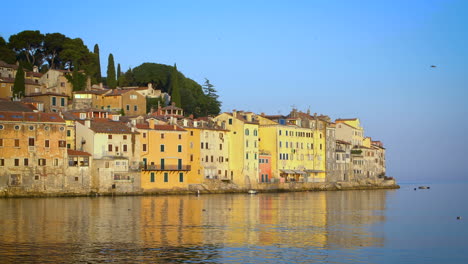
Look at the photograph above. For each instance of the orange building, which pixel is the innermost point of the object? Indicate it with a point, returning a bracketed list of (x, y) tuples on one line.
[(165, 156)]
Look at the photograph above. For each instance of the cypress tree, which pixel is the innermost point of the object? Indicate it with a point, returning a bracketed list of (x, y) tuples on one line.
[(118, 71), (111, 81), (175, 93), (19, 86), (98, 62)]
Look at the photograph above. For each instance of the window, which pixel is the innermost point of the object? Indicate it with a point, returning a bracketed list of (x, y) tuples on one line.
[(280, 132), (125, 148), (179, 164), (161, 148), (109, 147), (62, 144), (62, 101), (246, 155), (255, 132), (255, 156), (230, 121), (54, 101), (2, 162), (144, 147), (31, 128), (181, 177), (220, 146), (162, 135), (31, 142), (56, 162), (109, 136), (201, 145), (179, 148), (162, 164), (46, 143), (152, 177), (135, 108), (206, 145), (133, 97), (180, 136), (266, 160), (280, 144), (16, 162), (1, 142), (191, 157), (41, 162), (17, 143), (124, 137), (62, 84), (247, 143), (166, 177), (128, 107), (68, 132), (17, 127), (1, 127), (206, 158), (144, 135), (246, 131)]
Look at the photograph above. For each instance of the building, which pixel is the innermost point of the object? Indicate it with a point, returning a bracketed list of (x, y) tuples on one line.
[(350, 130), (34, 156), (243, 146), (164, 155), (264, 167), (52, 102), (115, 150), (344, 170), (129, 101), (7, 70)]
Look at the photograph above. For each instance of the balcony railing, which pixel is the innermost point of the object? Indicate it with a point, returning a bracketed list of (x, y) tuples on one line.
[(167, 168)]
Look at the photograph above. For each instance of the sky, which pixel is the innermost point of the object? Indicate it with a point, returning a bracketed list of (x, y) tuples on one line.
[(366, 59)]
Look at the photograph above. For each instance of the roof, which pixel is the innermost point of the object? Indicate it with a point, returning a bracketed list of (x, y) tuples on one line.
[(346, 119), (117, 92), (171, 107), (7, 105), (6, 65), (30, 117), (45, 94), (7, 80), (241, 118), (34, 74), (72, 152), (342, 142), (160, 127), (104, 125), (91, 92)]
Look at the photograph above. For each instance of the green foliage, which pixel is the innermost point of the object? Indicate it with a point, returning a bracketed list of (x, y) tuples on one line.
[(118, 72), (53, 45), (28, 46), (77, 79), (111, 81), (98, 75), (6, 54), (212, 104), (154, 103), (19, 85), (356, 151), (175, 92), (122, 112)]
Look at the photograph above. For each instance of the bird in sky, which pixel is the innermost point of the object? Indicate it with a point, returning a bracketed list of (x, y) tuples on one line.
[(433, 66)]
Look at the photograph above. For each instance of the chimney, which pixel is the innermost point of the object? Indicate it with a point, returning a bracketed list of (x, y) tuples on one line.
[(175, 127), (87, 123), (151, 123), (150, 86), (234, 113), (35, 69), (195, 123), (185, 122), (101, 86)]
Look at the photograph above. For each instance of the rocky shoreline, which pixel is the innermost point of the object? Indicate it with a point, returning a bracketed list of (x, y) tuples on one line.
[(217, 187)]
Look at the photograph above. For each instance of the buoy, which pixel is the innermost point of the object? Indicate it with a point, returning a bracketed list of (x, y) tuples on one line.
[(458, 217), (415, 189)]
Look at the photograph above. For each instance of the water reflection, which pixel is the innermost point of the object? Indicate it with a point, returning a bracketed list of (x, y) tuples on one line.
[(210, 228)]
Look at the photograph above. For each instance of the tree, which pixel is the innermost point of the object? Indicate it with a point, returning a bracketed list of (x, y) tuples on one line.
[(111, 81), (28, 44), (175, 92), (6, 54), (53, 45), (212, 105), (19, 86), (98, 63), (118, 71), (75, 54), (77, 79)]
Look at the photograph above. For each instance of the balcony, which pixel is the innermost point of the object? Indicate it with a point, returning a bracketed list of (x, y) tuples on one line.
[(167, 168)]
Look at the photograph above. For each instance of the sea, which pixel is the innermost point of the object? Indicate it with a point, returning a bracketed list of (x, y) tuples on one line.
[(405, 225)]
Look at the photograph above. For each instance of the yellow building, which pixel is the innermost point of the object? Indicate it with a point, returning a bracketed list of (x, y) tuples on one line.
[(298, 154), (350, 130), (165, 156), (243, 146)]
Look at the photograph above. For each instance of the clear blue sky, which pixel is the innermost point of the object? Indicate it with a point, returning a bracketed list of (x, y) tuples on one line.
[(366, 59)]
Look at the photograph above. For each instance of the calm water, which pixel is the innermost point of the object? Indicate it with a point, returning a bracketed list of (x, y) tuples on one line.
[(382, 226)]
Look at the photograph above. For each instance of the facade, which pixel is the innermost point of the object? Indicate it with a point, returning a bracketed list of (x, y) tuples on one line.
[(350, 130), (54, 81), (115, 151), (129, 101), (7, 70), (6, 87), (344, 171), (332, 166), (34, 156), (164, 155), (243, 146), (53, 102), (264, 167)]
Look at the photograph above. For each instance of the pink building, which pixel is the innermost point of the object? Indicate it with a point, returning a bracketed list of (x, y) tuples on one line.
[(264, 168)]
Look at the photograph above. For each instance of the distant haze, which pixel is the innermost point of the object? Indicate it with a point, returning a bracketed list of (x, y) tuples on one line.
[(366, 59)]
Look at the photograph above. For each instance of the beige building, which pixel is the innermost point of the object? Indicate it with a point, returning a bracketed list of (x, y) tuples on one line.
[(7, 70), (350, 130)]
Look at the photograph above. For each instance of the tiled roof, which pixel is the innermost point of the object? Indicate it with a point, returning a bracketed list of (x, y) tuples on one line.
[(6, 65), (30, 117), (342, 142), (7, 105), (34, 74), (103, 125), (168, 127), (171, 107), (117, 92), (72, 152), (46, 94), (7, 80), (91, 92)]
